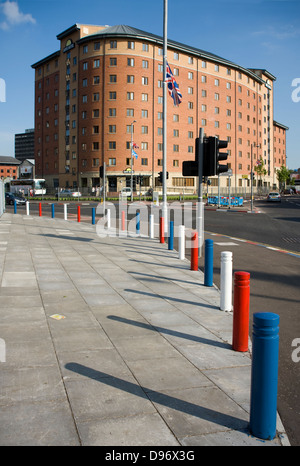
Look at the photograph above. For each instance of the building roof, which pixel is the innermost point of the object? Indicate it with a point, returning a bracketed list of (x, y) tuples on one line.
[(5, 160), (122, 30), (280, 125)]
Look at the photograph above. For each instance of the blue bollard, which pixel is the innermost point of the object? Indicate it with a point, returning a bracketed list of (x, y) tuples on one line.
[(138, 223), (15, 207), (52, 210), (171, 236), (264, 375), (93, 216), (209, 261)]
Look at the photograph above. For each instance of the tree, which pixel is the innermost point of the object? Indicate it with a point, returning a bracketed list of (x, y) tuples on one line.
[(260, 169), (283, 176)]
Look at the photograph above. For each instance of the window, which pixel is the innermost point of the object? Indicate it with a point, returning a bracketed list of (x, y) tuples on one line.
[(145, 97), (85, 49), (96, 45), (84, 83), (145, 47), (144, 129), (112, 78), (130, 95), (96, 113), (112, 145), (145, 64), (113, 61), (112, 112), (95, 147), (96, 63), (112, 96), (130, 45), (85, 65), (144, 80), (176, 56), (113, 44), (130, 79), (112, 128), (144, 161), (112, 161), (130, 61), (96, 80)]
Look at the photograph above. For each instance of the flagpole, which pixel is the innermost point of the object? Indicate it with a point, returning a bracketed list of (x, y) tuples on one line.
[(165, 49)]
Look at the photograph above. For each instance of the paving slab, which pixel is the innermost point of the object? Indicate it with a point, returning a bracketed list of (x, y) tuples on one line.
[(113, 341)]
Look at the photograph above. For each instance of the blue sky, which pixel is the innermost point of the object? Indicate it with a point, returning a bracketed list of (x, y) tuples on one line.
[(253, 33)]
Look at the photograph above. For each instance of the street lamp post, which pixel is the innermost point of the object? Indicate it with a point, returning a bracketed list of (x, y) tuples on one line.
[(131, 161), (252, 145)]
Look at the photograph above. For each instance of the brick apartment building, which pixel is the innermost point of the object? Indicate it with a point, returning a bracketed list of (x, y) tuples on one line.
[(9, 167), (105, 82)]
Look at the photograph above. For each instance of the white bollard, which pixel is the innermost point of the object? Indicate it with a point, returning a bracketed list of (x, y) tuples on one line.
[(108, 218), (65, 212), (226, 281), (151, 226), (181, 243), (27, 208)]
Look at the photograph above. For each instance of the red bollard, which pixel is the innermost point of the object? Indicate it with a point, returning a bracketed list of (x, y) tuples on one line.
[(40, 209), (194, 252), (78, 213), (241, 304), (123, 220), (161, 229)]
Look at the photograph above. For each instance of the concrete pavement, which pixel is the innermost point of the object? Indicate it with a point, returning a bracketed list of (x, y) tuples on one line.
[(113, 341)]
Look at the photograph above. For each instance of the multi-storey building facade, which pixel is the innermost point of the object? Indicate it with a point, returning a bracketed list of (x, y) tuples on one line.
[(24, 145), (103, 90)]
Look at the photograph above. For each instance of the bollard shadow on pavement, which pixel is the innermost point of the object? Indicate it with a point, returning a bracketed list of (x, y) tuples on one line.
[(162, 399), (174, 333)]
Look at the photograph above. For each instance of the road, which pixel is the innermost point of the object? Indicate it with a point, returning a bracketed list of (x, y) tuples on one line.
[(266, 244)]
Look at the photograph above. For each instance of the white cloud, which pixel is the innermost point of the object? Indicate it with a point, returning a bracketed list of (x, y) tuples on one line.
[(13, 16)]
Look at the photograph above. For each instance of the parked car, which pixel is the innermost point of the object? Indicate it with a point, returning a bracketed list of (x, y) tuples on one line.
[(10, 198), (68, 193), (126, 192), (274, 197)]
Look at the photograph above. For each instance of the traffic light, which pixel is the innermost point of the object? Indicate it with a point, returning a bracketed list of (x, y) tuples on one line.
[(221, 156), (160, 177), (101, 171), (167, 175), (212, 156)]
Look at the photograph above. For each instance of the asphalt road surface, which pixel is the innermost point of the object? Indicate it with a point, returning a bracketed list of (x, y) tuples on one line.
[(266, 244)]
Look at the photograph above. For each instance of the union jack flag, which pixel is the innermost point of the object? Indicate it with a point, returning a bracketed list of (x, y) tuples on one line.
[(173, 86)]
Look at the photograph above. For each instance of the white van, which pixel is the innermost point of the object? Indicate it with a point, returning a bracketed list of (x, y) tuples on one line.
[(126, 192)]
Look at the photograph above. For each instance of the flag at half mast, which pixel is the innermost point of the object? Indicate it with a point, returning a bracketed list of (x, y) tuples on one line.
[(173, 86)]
